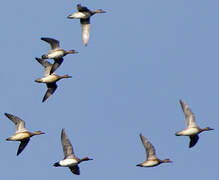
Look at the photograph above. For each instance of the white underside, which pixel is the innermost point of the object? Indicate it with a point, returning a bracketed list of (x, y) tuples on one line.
[(49, 79), (78, 15), (55, 54), (189, 132), (19, 136), (68, 162), (150, 163)]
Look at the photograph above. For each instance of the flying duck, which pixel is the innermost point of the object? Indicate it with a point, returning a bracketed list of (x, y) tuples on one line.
[(151, 158), (56, 53), (21, 134), (49, 79), (191, 130), (84, 15), (70, 160)]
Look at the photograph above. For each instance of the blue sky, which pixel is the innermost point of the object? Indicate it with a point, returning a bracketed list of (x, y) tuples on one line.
[(142, 57)]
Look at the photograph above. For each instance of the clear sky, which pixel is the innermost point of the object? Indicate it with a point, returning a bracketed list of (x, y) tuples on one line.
[(142, 57)]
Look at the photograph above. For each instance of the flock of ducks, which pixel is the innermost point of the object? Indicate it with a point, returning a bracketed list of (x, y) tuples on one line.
[(192, 130), (71, 161), (56, 53), (50, 78)]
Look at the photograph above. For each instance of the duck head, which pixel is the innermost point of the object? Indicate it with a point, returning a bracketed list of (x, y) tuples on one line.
[(72, 51), (38, 132)]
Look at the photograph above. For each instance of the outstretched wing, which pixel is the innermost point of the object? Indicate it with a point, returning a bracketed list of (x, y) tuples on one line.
[(193, 140), (47, 65), (53, 42), (51, 89), (22, 145), (82, 8), (85, 30), (75, 169), (190, 117), (56, 64), (66, 145), (19, 123), (149, 148)]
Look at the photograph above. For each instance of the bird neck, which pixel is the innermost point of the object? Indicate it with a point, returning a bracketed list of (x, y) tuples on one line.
[(165, 161), (84, 159)]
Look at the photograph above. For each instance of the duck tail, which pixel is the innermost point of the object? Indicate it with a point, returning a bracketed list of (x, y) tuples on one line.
[(38, 80), (56, 164), (44, 56), (139, 165)]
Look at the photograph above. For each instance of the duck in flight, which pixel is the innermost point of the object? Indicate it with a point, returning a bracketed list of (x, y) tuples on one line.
[(49, 79), (21, 134), (56, 53), (192, 130), (70, 160), (151, 158), (84, 15)]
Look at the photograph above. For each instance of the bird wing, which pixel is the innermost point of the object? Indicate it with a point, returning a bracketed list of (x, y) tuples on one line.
[(19, 123), (190, 117), (53, 42), (82, 8), (85, 20), (56, 64), (85, 30), (51, 89), (75, 169), (149, 148), (193, 140), (47, 65), (22, 145), (66, 145)]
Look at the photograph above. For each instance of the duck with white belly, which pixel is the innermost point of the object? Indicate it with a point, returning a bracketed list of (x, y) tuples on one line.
[(192, 130), (84, 15), (56, 53), (151, 158), (49, 79), (21, 134), (70, 160)]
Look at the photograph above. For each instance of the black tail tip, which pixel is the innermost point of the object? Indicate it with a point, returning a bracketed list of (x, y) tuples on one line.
[(56, 164), (69, 17), (176, 134)]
